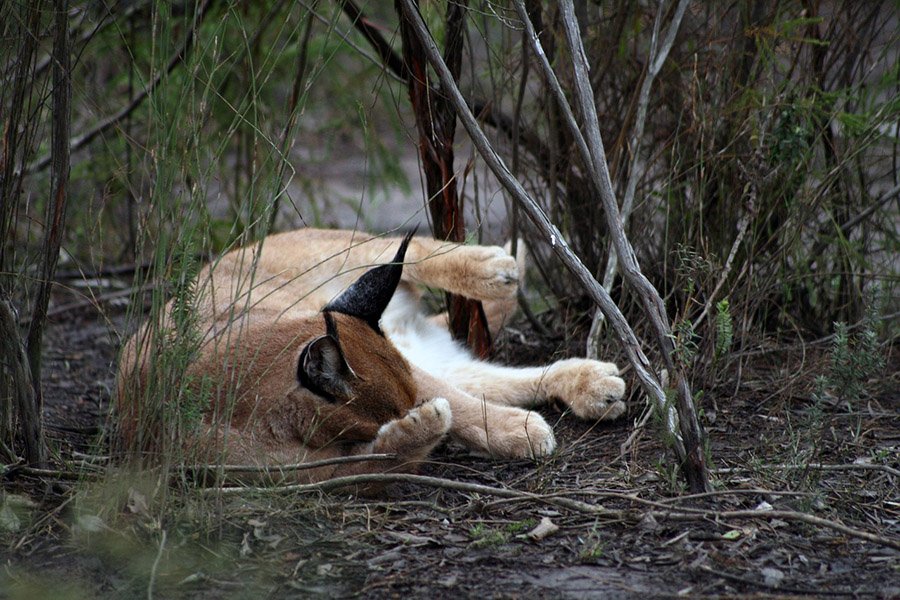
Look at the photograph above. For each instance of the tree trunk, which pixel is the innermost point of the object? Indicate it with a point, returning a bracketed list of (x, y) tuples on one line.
[(20, 417), (55, 221), (436, 124)]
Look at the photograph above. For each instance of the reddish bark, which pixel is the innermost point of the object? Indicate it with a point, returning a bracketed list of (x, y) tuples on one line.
[(436, 124)]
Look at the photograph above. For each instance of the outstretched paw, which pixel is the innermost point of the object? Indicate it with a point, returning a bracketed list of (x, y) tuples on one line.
[(589, 387)]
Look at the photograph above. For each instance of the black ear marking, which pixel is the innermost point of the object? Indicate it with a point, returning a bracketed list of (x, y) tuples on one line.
[(369, 295), (323, 370)]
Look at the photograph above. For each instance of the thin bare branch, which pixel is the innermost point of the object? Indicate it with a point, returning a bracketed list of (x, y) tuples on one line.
[(651, 385), (315, 464), (655, 62), (659, 511), (692, 461), (78, 142), (15, 382)]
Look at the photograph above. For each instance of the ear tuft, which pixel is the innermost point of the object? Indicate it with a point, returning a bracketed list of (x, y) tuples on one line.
[(369, 295)]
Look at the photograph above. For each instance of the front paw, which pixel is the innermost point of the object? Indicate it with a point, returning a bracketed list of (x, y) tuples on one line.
[(422, 427), (589, 387)]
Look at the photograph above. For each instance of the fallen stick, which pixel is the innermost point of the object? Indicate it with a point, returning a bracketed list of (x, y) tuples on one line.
[(658, 510)]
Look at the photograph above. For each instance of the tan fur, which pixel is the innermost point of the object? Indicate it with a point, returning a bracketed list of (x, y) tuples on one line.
[(257, 308)]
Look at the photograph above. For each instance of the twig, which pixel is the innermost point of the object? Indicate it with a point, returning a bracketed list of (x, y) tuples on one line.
[(763, 584), (104, 271), (87, 36), (687, 439), (288, 134), (484, 109), (651, 384), (390, 58), (14, 363), (691, 458), (885, 198), (754, 491), (13, 470), (660, 512), (743, 225), (351, 481), (17, 133), (815, 466), (338, 460), (625, 446), (655, 62), (656, 58), (436, 125), (55, 220), (96, 301)]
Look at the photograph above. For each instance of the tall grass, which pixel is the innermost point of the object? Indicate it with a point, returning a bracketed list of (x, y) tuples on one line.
[(191, 113)]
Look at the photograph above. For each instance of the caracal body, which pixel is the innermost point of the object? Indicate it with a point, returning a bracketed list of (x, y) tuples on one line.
[(305, 358)]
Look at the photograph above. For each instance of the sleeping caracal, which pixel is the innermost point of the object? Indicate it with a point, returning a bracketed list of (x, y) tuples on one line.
[(311, 356)]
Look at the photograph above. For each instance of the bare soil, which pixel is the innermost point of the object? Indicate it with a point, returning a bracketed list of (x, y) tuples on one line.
[(772, 448)]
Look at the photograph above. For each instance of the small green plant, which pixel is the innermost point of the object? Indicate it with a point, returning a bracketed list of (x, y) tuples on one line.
[(592, 546), (724, 329), (486, 537), (855, 358), (685, 345), (517, 527), (668, 472), (803, 447)]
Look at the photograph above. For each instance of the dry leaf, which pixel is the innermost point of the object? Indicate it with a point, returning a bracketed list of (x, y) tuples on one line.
[(246, 550), (545, 528), (137, 503), (9, 521), (773, 577), (90, 523)]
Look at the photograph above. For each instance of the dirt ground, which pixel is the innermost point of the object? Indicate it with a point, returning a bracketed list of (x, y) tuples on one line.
[(774, 452)]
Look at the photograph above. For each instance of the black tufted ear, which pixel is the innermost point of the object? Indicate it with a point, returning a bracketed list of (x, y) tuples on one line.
[(370, 294), (323, 370)]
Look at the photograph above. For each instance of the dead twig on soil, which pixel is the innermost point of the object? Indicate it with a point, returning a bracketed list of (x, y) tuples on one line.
[(93, 471), (658, 510), (338, 460), (763, 584), (815, 466), (55, 474)]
